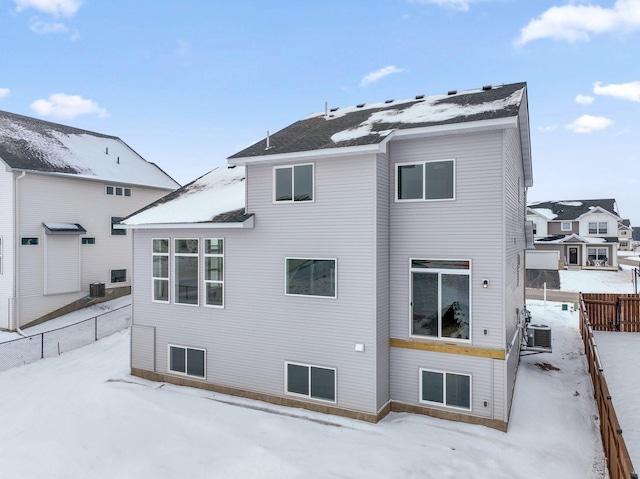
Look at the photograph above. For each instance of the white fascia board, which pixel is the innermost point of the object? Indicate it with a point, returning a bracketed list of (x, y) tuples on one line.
[(597, 209), (437, 130), (248, 224), (302, 155)]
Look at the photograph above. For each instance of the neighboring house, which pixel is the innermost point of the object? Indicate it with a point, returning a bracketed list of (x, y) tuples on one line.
[(625, 233), (61, 191), (584, 233), (331, 269)]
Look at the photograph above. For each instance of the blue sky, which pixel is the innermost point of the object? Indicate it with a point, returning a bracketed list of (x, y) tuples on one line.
[(188, 83)]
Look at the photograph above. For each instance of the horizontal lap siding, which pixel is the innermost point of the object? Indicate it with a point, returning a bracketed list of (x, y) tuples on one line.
[(6, 236), (405, 384), (260, 327), (470, 227), (383, 197)]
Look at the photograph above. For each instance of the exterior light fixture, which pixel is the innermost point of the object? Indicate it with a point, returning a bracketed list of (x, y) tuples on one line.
[(485, 283)]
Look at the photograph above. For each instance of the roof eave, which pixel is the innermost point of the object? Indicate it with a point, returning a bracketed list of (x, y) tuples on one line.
[(408, 133), (246, 224)]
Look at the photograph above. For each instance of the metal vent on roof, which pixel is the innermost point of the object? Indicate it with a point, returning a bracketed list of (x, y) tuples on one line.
[(419, 97), (452, 92), (389, 101), (487, 87), (360, 105), (334, 109)]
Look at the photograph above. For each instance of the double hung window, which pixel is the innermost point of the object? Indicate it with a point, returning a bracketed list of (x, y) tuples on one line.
[(311, 381), (446, 389), (597, 227), (311, 277), (160, 275), (426, 180), (186, 271), (440, 299), (293, 183), (214, 272), (187, 361)]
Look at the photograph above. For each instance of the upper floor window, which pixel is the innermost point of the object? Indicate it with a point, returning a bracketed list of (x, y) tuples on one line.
[(311, 277), (186, 271), (293, 183), (426, 180), (440, 299), (597, 228), (160, 274), (117, 231), (117, 191), (214, 272), (565, 226)]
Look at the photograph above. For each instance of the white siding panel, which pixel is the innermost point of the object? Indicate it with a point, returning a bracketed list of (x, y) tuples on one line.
[(8, 245), (62, 264), (383, 198), (143, 347)]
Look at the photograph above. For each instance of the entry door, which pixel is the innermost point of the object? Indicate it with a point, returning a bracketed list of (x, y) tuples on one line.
[(573, 255)]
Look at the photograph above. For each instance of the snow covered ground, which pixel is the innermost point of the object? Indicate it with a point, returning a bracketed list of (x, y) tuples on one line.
[(82, 415)]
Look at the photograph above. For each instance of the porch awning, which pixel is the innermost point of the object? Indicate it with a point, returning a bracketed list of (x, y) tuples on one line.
[(63, 228)]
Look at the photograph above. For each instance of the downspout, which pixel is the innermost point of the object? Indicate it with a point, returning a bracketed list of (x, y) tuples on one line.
[(16, 257)]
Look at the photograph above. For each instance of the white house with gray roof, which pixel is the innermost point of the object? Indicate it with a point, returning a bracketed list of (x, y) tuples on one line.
[(61, 191), (582, 233), (329, 266)]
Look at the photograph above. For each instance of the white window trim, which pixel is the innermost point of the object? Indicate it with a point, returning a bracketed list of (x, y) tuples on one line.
[(169, 270), (185, 374), (424, 184), (125, 282), (444, 389), (293, 186), (335, 269), (211, 281), (462, 272), (308, 396), (122, 188), (562, 223), (175, 280), (598, 227)]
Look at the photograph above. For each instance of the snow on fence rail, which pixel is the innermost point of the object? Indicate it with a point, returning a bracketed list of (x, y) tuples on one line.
[(57, 341), (618, 458)]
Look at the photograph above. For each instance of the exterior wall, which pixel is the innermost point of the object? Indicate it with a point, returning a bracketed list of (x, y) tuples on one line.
[(442, 230), (248, 341), (555, 228), (541, 225), (50, 198), (6, 235), (612, 224)]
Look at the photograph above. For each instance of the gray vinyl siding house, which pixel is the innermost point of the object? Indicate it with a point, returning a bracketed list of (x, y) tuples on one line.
[(366, 335), (60, 190)]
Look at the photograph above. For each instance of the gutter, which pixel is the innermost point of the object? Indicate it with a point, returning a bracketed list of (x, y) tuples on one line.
[(16, 257)]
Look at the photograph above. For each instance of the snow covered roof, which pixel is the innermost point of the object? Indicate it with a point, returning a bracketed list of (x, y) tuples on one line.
[(371, 124), (35, 145), (216, 197), (574, 238), (571, 210)]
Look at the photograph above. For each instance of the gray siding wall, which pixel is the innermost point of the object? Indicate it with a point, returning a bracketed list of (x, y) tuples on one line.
[(259, 328), (470, 227), (6, 235), (555, 228), (383, 198), (48, 198)]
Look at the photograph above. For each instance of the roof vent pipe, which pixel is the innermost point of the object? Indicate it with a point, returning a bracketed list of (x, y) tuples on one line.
[(326, 108), (268, 146)]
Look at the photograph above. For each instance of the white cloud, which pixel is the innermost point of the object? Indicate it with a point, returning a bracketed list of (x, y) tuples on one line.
[(577, 22), (4, 92), (61, 105), (57, 8), (548, 128), (584, 99), (459, 5), (588, 124), (622, 91), (44, 28), (378, 74)]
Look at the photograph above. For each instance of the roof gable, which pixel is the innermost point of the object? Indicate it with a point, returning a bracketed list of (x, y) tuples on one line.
[(572, 209), (370, 124), (35, 145)]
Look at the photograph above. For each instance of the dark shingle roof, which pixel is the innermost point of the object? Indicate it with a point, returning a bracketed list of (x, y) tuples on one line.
[(370, 124), (573, 209)]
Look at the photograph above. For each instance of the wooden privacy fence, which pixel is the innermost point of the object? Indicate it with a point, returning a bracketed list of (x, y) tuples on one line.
[(618, 459), (613, 312)]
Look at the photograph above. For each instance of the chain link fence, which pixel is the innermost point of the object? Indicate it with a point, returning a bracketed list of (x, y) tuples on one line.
[(26, 350)]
